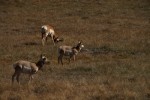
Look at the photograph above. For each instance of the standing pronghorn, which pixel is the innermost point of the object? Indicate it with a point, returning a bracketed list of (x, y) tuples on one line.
[(69, 51), (48, 30), (27, 67)]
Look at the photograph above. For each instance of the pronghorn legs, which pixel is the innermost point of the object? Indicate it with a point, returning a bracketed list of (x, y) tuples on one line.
[(70, 59), (17, 78), (30, 78), (60, 59), (13, 76), (17, 75), (53, 39), (43, 41)]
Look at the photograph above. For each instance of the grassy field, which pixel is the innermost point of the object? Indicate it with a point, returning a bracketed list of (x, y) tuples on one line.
[(116, 35)]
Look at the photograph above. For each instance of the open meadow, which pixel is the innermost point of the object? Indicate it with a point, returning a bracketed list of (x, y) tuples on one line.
[(114, 64)]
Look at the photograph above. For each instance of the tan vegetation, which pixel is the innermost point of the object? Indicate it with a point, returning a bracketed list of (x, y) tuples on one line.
[(114, 65)]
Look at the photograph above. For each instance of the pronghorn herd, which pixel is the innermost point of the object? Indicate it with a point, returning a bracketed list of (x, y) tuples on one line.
[(30, 68)]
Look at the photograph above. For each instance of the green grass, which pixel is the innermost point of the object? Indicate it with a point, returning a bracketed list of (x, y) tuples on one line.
[(115, 32)]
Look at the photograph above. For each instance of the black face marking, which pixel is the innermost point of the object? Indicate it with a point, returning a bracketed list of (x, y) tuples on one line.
[(44, 59), (56, 40)]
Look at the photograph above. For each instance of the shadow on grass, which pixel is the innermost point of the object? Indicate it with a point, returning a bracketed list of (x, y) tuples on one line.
[(80, 71), (41, 89), (106, 50), (14, 97), (30, 43), (26, 44), (121, 53)]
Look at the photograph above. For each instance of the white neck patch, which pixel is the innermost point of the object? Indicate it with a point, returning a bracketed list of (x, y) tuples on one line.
[(82, 46)]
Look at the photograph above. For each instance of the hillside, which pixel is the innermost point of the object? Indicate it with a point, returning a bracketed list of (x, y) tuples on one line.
[(114, 64)]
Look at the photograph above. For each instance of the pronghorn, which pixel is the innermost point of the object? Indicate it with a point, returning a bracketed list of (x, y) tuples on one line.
[(27, 67), (48, 30), (69, 51)]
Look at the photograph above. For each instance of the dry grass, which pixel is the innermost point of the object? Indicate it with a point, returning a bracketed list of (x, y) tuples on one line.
[(116, 33)]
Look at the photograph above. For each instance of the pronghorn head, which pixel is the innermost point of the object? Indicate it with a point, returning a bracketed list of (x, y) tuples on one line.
[(79, 46), (57, 39), (42, 61)]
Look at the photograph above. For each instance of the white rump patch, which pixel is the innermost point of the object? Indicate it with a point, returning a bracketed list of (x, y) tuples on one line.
[(51, 31), (36, 70)]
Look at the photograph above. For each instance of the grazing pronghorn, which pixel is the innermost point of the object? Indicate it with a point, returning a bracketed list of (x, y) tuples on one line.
[(48, 30), (27, 67), (69, 51)]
